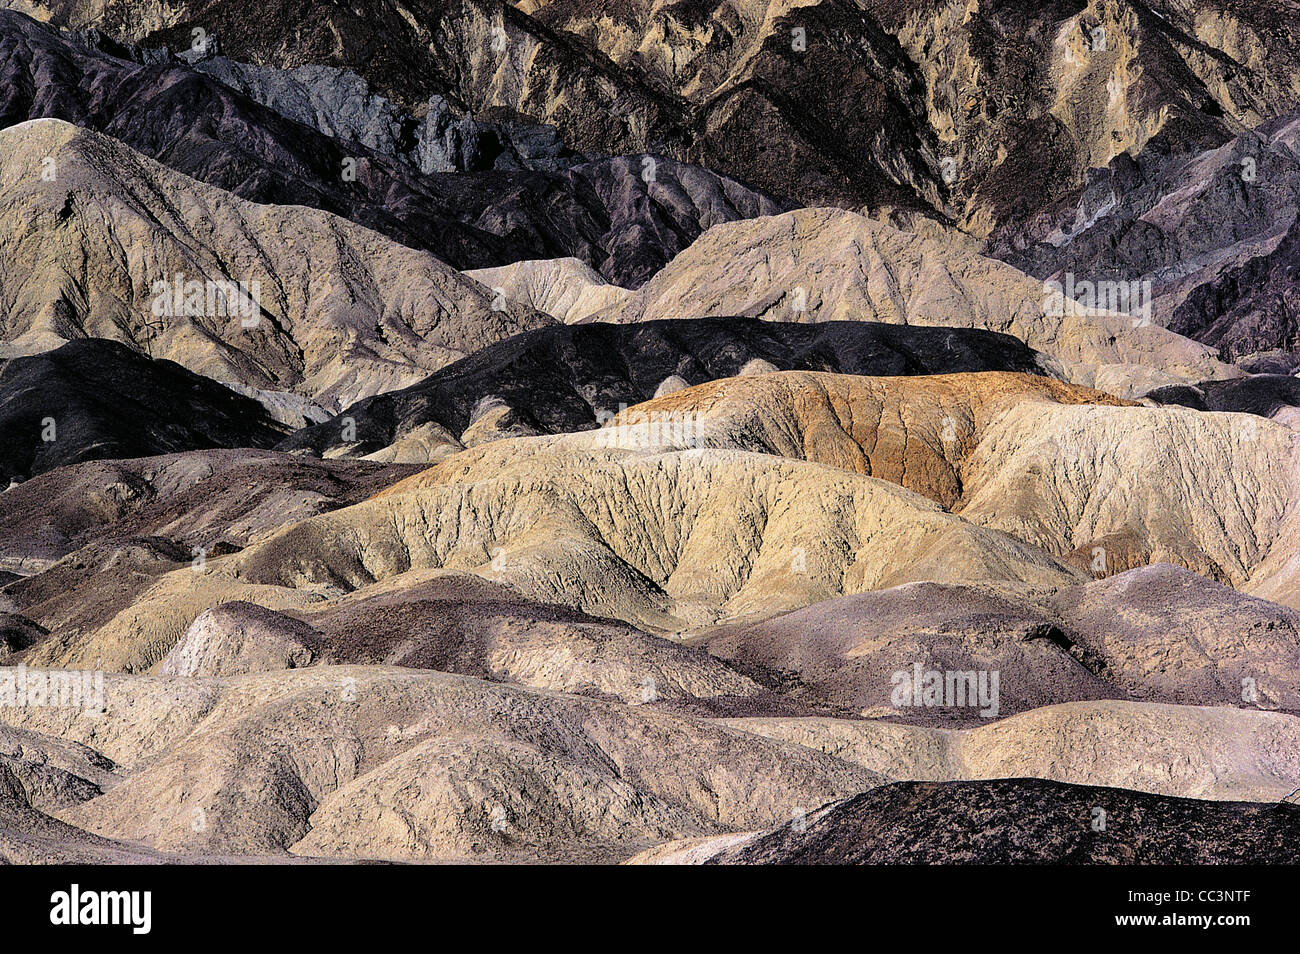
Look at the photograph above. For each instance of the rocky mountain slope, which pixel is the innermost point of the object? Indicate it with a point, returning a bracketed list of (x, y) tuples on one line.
[(1027, 99), (826, 103), (1213, 233), (274, 297), (748, 110), (625, 216)]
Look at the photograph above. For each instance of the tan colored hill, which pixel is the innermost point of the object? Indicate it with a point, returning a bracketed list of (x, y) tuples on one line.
[(1114, 488), (42, 775), (392, 763), (1220, 754), (51, 774), (717, 526), (567, 289), (912, 431), (344, 762), (697, 536), (341, 312), (832, 265), (635, 524), (463, 625), (236, 638), (1105, 487), (29, 836)]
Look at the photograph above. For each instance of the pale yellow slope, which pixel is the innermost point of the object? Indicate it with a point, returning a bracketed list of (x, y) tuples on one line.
[(667, 542), (1066, 469), (568, 289)]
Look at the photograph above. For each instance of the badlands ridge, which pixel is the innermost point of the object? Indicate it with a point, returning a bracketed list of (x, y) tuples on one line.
[(688, 433)]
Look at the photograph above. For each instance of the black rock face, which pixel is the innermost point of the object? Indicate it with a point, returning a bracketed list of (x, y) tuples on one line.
[(16, 634), (1250, 308), (1028, 821), (1262, 394), (559, 379), (94, 399), (191, 122)]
